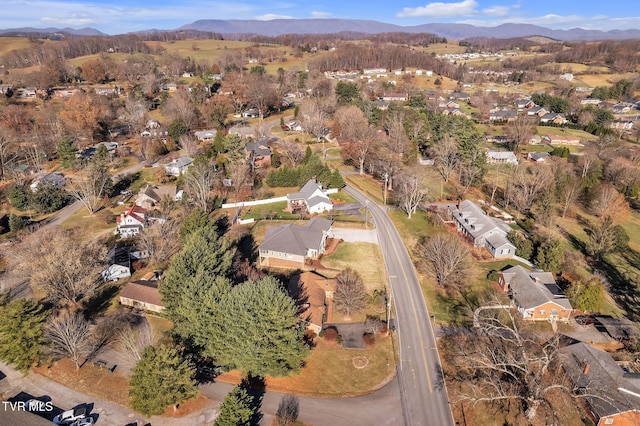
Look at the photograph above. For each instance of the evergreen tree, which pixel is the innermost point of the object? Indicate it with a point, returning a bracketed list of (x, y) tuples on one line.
[(16, 223), (336, 180), (161, 378), (195, 221), (308, 153), (257, 330), (19, 197), (21, 331), (587, 296), (346, 92), (48, 198), (237, 409), (549, 255), (67, 152)]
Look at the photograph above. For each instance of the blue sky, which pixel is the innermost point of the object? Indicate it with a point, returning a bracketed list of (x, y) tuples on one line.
[(122, 16)]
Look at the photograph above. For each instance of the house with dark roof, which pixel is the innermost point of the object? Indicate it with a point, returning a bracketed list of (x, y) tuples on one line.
[(311, 198), (151, 195), (535, 294), (314, 296), (553, 117), (291, 245), (131, 222), (119, 263), (142, 294), (561, 140), (483, 230), (258, 153), (612, 394), (56, 179), (538, 157)]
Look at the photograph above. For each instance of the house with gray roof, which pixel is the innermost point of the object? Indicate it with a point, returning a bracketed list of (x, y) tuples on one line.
[(291, 245), (538, 157), (56, 179), (535, 294), (483, 230), (206, 135), (311, 198), (258, 153), (612, 394), (178, 166), (498, 157)]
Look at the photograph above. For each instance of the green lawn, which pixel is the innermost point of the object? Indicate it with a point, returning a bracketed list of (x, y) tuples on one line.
[(276, 210), (366, 184), (342, 197)]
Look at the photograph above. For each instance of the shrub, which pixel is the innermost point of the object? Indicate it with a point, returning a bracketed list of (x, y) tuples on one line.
[(369, 339), (329, 334), (492, 275)]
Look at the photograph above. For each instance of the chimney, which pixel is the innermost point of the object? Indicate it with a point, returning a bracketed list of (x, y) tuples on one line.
[(585, 370)]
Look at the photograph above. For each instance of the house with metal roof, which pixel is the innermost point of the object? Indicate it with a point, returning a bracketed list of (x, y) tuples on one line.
[(535, 294)]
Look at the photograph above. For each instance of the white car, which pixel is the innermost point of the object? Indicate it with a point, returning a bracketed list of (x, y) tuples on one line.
[(70, 416), (87, 421)]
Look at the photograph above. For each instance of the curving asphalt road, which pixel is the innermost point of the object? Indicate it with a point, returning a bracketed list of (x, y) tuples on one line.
[(422, 389)]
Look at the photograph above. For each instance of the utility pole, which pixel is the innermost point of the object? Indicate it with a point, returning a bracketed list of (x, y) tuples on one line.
[(366, 214), (384, 197)]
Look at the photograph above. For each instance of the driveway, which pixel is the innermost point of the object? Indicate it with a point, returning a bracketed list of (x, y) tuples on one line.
[(351, 235), (351, 334)]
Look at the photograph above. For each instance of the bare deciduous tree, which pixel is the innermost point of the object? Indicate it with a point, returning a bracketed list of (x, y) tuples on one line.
[(91, 186), (189, 144), (69, 336), (199, 180), (287, 412), (607, 201), (527, 183), (446, 258), (409, 192), (520, 131), (293, 152), (502, 362), (134, 338), (160, 240), (350, 295), (445, 157), (63, 265), (313, 119)]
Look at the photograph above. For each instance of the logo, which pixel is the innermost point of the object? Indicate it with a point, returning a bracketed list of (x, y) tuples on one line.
[(31, 405)]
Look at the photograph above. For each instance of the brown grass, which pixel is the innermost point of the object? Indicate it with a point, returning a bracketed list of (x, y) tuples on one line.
[(366, 258), (89, 380), (329, 371)]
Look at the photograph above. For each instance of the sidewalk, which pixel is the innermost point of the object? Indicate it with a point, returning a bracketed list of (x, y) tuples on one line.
[(108, 413)]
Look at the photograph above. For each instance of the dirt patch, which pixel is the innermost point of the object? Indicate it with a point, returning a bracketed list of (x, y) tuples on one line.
[(89, 379)]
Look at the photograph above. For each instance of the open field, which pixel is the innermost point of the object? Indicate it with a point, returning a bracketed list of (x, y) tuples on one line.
[(330, 372)]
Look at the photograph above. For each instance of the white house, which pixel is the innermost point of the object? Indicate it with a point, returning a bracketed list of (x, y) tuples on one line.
[(311, 198), (483, 230), (498, 157), (178, 166), (115, 272), (131, 222), (206, 135)]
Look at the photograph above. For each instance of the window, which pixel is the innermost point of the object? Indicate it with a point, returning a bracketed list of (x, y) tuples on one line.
[(608, 422), (542, 311), (505, 251)]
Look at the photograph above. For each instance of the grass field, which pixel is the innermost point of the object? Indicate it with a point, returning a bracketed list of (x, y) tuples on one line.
[(366, 258), (329, 371), (368, 185)]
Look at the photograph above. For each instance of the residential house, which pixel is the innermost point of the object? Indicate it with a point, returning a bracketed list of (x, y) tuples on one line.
[(258, 153), (447, 103), (311, 198), (65, 92), (499, 157), (56, 179), (590, 101), (566, 76), (292, 244), (106, 90), (454, 111), (522, 104), (503, 115), (538, 157), (244, 132), (537, 111), (151, 195), (561, 140), (497, 139), (618, 328), (483, 230), (142, 294), (169, 87), (131, 222), (460, 96), (395, 97), (553, 117), (621, 124), (535, 294), (119, 264), (5, 88), (535, 140), (178, 166), (612, 394), (316, 293), (206, 135), (251, 113), (25, 93)]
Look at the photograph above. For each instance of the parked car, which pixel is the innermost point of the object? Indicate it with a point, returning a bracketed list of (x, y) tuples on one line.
[(70, 416), (87, 421)]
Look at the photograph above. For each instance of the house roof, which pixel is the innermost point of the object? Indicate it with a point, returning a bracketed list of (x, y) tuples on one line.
[(205, 134), (596, 373), (259, 149), (309, 288), (498, 240), (136, 212), (21, 418), (475, 221), (534, 288), (306, 191), (618, 328), (181, 162), (537, 156), (502, 155), (143, 291), (295, 239)]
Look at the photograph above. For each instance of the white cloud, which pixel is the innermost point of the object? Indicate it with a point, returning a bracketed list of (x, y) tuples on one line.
[(73, 20), (564, 22), (272, 16), (496, 11), (440, 10), (319, 14)]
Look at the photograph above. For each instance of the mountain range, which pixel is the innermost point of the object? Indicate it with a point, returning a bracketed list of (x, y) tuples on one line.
[(327, 26)]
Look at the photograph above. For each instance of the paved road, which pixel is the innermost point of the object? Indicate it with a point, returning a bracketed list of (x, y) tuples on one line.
[(71, 209), (423, 393)]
